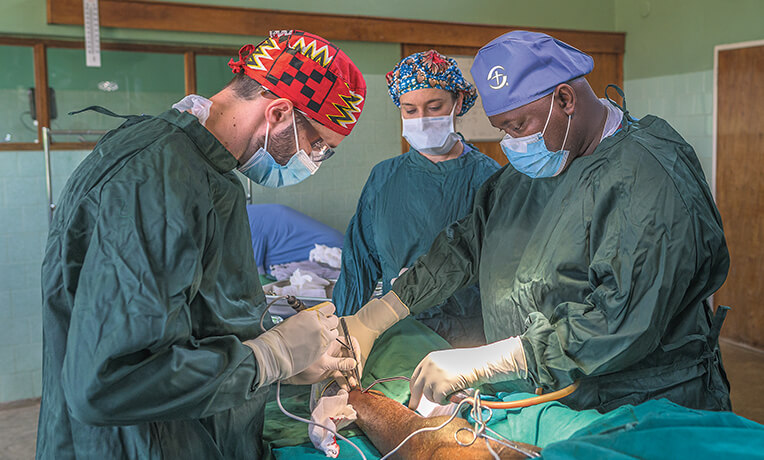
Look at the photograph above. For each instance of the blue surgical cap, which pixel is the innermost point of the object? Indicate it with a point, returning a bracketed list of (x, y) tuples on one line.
[(520, 67)]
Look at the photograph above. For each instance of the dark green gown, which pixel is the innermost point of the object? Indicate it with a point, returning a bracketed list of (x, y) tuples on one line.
[(149, 288), (603, 271)]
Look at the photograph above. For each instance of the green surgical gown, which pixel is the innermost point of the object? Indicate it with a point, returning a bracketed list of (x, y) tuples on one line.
[(603, 271), (149, 288), (405, 203)]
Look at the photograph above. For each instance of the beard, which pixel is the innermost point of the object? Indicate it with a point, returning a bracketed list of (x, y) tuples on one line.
[(281, 145)]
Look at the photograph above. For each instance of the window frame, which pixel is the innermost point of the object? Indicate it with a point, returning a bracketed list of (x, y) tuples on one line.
[(40, 48)]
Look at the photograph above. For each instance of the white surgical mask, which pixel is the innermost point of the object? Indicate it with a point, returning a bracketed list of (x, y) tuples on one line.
[(431, 135)]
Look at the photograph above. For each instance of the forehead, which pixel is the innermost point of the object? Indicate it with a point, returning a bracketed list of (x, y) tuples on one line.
[(424, 95)]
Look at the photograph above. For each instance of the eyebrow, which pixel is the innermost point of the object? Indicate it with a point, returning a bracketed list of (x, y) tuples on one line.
[(440, 99)]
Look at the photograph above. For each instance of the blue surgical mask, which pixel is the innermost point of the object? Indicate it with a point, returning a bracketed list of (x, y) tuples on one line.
[(530, 155), (263, 169)]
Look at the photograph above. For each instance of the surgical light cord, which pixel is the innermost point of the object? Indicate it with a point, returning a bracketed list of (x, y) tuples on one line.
[(310, 422)]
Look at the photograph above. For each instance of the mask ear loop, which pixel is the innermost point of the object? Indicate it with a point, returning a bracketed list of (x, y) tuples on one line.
[(548, 117), (294, 125), (567, 130)]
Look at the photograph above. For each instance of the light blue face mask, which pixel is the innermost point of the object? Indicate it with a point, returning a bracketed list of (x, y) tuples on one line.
[(263, 169), (530, 155)]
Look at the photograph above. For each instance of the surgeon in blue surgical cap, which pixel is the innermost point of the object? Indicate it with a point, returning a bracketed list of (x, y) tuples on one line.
[(596, 249)]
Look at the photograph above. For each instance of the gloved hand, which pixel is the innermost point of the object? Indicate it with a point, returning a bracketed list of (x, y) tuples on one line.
[(344, 380), (292, 345), (331, 364), (444, 372), (373, 319)]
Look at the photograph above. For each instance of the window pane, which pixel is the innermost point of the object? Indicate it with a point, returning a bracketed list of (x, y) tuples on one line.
[(16, 99), (128, 82), (212, 73)]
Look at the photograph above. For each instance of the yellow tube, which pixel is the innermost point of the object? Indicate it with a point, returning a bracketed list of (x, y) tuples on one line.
[(553, 396)]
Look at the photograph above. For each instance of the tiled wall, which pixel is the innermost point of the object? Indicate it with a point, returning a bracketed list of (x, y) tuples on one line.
[(329, 196), (23, 231), (685, 101)]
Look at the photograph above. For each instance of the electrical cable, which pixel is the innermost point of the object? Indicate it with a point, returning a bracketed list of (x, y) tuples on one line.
[(310, 422), (267, 308), (425, 429)]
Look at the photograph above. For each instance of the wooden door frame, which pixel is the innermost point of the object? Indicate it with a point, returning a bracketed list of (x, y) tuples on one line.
[(714, 123), (715, 140)]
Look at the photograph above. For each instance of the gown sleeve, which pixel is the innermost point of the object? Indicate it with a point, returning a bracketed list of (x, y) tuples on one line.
[(451, 263), (643, 260), (131, 353), (361, 268)]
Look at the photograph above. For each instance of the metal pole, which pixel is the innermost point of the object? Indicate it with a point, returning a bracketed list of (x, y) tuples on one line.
[(48, 178)]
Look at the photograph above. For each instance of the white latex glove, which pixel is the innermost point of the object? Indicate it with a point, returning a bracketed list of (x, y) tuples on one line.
[(345, 380), (329, 365), (294, 344), (444, 372), (373, 319)]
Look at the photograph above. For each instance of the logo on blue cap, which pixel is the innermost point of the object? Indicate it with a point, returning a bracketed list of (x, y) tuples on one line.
[(498, 76)]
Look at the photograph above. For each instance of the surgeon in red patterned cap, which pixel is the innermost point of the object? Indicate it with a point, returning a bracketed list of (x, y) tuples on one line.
[(157, 339), (294, 98)]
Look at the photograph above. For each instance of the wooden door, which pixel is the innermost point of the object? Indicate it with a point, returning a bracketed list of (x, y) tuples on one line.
[(740, 189)]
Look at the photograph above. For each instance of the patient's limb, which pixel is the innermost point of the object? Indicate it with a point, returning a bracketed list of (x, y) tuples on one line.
[(386, 422)]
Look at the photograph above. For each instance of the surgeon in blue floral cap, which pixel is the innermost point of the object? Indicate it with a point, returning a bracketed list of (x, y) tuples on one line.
[(410, 198)]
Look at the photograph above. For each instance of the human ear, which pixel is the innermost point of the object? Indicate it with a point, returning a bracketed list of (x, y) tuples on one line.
[(566, 98), (279, 112), (458, 104)]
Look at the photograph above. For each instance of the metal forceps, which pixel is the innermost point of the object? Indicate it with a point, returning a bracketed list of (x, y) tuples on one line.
[(349, 345)]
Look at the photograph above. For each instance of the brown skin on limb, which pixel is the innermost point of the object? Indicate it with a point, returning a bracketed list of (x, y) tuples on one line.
[(575, 99), (387, 423)]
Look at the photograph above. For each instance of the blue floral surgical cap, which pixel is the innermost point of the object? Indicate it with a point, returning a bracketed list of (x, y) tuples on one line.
[(429, 69)]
